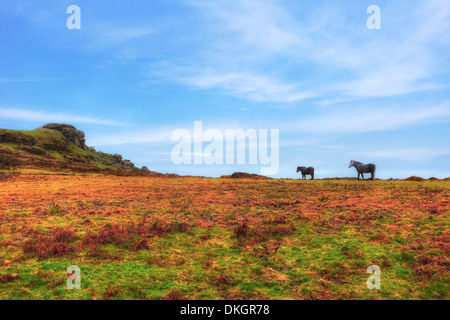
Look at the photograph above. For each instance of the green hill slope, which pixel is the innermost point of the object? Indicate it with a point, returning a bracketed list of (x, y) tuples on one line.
[(57, 147)]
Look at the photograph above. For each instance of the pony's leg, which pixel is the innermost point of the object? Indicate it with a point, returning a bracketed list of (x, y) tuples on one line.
[(362, 175)]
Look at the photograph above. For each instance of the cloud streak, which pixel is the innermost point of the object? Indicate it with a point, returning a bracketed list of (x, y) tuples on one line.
[(231, 53), (372, 119), (43, 116), (156, 136), (248, 86), (406, 154)]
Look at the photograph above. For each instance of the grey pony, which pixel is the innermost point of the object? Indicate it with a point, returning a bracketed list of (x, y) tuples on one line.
[(362, 168)]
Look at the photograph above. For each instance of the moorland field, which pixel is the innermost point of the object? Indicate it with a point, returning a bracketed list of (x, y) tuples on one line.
[(149, 237)]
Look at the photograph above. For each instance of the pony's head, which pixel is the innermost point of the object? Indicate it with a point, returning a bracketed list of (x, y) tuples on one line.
[(352, 163), (300, 168)]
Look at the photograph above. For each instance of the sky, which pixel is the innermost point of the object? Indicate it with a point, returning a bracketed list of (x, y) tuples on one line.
[(136, 71)]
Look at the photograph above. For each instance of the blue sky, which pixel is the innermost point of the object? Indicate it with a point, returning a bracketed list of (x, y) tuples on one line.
[(138, 70)]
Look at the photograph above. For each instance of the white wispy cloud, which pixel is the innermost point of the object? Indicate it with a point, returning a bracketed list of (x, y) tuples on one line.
[(406, 154), (328, 102), (156, 136), (253, 87), (274, 51), (260, 25), (230, 53), (372, 119), (398, 59), (115, 35), (45, 117), (391, 62)]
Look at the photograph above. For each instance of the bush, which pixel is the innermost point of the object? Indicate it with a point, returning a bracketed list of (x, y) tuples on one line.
[(54, 245), (175, 295), (414, 178), (5, 278), (242, 230)]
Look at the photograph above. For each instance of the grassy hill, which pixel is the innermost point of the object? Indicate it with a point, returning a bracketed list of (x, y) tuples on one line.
[(45, 149)]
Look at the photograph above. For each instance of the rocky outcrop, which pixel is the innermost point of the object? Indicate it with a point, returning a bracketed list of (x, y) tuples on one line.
[(77, 137), (116, 160), (70, 132)]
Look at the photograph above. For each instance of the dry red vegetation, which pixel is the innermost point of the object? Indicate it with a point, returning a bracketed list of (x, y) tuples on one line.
[(54, 216), (175, 295), (5, 278)]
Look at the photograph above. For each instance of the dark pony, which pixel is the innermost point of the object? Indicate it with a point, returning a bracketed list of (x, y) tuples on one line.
[(305, 171)]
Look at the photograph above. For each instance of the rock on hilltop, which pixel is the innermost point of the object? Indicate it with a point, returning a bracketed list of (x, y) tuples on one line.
[(70, 132)]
